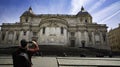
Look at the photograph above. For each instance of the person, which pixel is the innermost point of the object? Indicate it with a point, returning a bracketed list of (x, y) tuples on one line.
[(22, 56)]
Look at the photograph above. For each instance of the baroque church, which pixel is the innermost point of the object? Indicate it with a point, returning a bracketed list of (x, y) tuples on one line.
[(55, 29)]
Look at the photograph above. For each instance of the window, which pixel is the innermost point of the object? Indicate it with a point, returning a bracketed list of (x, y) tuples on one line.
[(62, 30), (86, 21), (3, 36), (43, 30), (26, 19), (24, 33), (104, 37), (17, 36)]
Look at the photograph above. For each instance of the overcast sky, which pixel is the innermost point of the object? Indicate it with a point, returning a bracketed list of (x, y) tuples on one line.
[(103, 11)]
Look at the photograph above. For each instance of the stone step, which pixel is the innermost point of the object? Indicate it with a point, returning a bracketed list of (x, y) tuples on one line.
[(65, 61), (73, 61)]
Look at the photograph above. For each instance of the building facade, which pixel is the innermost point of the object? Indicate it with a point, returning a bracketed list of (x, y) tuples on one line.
[(114, 39), (56, 29)]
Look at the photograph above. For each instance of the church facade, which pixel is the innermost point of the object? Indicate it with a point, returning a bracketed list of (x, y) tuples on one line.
[(55, 29)]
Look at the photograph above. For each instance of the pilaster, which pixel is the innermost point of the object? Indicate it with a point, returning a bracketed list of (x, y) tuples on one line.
[(86, 38), (101, 38), (14, 38), (0, 36), (21, 36), (6, 37), (93, 38)]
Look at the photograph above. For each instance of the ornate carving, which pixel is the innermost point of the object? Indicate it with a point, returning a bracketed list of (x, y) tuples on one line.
[(53, 24), (54, 20)]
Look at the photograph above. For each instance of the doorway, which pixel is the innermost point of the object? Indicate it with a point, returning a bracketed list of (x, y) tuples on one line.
[(83, 43)]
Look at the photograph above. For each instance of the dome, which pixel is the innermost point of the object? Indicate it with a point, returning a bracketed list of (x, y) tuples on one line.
[(83, 13), (28, 12)]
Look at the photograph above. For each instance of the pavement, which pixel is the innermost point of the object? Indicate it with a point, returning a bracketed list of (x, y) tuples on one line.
[(6, 61)]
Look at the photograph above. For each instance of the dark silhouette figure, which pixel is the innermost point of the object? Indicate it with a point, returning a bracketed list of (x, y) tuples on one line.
[(22, 56)]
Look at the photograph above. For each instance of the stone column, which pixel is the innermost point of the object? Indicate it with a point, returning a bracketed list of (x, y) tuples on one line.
[(21, 36), (68, 36), (65, 36), (6, 38), (28, 36), (39, 37), (93, 38), (86, 38), (79, 38), (101, 38), (0, 36), (14, 38)]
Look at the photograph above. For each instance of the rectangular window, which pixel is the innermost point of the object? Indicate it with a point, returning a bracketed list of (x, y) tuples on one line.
[(24, 33), (17, 36), (104, 37), (3, 36), (62, 30), (26, 19), (86, 21), (43, 30)]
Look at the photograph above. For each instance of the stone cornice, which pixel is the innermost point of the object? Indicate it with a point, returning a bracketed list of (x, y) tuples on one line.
[(55, 15)]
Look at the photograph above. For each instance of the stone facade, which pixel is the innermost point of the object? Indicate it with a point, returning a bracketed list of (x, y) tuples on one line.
[(114, 39), (56, 29)]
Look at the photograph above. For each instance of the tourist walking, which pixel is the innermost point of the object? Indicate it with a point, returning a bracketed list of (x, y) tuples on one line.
[(22, 56)]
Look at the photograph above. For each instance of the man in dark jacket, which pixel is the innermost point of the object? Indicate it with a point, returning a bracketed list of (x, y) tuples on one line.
[(22, 57)]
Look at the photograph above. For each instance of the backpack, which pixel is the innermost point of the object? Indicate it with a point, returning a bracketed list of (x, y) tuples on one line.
[(20, 59)]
